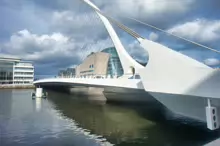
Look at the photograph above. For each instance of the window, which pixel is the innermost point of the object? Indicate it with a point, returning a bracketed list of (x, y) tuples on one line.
[(23, 73), (22, 68), (86, 71)]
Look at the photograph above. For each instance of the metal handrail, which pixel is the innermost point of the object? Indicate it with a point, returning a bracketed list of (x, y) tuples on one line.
[(98, 76)]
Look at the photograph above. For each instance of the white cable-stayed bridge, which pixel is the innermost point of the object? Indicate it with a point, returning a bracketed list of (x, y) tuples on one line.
[(184, 86)]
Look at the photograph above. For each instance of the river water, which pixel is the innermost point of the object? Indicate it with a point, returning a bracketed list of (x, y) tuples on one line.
[(62, 119)]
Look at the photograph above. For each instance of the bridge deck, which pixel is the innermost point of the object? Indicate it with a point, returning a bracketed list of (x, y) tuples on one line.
[(123, 83)]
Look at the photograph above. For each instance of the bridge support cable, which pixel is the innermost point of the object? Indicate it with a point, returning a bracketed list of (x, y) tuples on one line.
[(120, 25), (182, 38)]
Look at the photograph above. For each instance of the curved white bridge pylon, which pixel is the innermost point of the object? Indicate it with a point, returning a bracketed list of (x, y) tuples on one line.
[(184, 85)]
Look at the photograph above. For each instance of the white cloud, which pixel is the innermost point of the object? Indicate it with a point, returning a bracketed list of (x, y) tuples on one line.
[(78, 25), (200, 30), (212, 61), (150, 9), (35, 46), (71, 17), (137, 52), (153, 36), (56, 49), (91, 46)]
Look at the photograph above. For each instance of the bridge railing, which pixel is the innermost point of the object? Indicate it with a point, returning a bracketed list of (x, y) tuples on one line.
[(97, 76), (102, 76)]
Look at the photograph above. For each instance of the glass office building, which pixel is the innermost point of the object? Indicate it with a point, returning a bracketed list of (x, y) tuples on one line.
[(114, 64)]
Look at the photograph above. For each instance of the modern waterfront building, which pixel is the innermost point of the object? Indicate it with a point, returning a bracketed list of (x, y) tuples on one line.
[(23, 73), (101, 64), (94, 65), (15, 71)]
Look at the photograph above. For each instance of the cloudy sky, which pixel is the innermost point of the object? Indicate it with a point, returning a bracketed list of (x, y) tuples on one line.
[(56, 34)]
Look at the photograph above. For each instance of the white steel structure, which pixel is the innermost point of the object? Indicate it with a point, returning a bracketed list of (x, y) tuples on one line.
[(186, 87)]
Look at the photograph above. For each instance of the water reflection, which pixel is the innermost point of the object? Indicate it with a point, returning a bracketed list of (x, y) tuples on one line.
[(25, 122), (38, 104), (6, 107), (67, 120), (128, 125)]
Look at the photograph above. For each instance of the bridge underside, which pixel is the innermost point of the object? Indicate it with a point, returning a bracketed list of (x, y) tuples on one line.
[(109, 93)]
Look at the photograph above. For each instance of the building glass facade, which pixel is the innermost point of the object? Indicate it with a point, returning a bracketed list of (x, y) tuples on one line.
[(114, 64), (6, 72)]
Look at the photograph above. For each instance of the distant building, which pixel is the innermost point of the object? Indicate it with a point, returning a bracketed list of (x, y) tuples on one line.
[(61, 73), (94, 65), (101, 64), (69, 72), (15, 71)]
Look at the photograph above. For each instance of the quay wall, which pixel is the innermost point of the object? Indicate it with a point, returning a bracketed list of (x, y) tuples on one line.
[(17, 86)]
